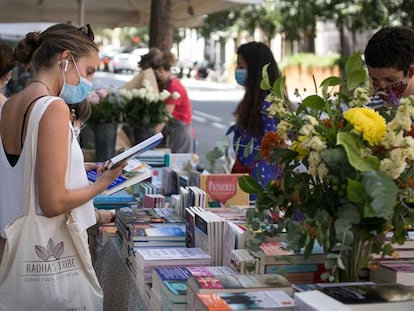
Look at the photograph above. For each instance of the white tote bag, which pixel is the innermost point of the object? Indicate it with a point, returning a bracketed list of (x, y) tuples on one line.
[(46, 262)]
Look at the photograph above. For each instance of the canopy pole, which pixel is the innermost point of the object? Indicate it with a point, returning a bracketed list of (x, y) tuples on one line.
[(81, 12)]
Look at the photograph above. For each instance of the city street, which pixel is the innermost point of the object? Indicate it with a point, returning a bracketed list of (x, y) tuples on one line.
[(213, 105)]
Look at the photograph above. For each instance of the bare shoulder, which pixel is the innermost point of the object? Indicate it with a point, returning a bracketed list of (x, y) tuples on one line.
[(57, 109)]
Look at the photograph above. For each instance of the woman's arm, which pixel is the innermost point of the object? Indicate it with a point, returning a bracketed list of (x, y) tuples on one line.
[(52, 163)]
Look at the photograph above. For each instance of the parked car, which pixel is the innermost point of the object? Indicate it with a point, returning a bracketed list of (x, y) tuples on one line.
[(105, 59), (127, 60)]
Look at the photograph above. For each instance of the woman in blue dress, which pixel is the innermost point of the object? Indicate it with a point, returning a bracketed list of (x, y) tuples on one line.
[(252, 119)]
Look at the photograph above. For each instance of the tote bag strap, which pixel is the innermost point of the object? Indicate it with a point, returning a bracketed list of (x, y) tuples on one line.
[(31, 153)]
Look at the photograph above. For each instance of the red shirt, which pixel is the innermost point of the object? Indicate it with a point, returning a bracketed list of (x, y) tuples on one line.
[(183, 109)]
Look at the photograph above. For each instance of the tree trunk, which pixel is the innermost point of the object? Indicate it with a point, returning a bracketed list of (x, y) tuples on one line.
[(161, 26)]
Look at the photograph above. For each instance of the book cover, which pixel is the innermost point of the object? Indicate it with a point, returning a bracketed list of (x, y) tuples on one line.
[(222, 190), (173, 254), (145, 145), (234, 283), (260, 300), (176, 291), (183, 273), (120, 197), (132, 174), (242, 282), (160, 234)]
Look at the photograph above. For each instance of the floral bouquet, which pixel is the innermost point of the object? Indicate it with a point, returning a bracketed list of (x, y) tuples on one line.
[(347, 173), (144, 107), (106, 106)]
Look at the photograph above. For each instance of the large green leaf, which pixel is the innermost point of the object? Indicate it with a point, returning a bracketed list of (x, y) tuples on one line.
[(354, 149), (279, 87), (383, 191), (355, 191), (354, 71), (265, 83), (314, 101), (356, 79), (249, 185)]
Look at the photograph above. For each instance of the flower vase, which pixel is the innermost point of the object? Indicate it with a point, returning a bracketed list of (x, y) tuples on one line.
[(105, 140), (141, 133)]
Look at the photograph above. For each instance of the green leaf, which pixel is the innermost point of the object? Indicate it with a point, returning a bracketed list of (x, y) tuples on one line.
[(332, 81), (249, 185), (354, 71), (340, 263), (214, 154), (278, 88), (354, 149), (314, 101), (382, 190), (355, 191), (353, 63), (265, 83)]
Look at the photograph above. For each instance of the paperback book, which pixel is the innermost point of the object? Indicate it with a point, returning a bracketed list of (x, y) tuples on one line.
[(133, 173), (259, 300), (223, 190), (133, 151), (234, 283)]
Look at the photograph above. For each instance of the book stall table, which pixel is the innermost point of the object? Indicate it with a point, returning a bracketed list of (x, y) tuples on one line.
[(117, 281)]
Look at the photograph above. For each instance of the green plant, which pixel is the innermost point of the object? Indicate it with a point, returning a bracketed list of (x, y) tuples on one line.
[(220, 151), (347, 173), (145, 108)]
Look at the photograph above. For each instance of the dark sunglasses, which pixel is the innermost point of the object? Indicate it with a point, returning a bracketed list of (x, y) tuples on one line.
[(87, 30)]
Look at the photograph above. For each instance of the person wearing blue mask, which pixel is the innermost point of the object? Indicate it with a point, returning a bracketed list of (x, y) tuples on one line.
[(252, 119), (64, 59)]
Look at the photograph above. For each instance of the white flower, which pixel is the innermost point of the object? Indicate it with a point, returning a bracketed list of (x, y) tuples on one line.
[(175, 95)]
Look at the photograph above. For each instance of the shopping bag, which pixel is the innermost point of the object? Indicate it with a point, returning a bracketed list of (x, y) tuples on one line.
[(46, 263)]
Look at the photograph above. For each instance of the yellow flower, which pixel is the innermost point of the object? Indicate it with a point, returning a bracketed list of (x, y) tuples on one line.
[(368, 122), (298, 147)]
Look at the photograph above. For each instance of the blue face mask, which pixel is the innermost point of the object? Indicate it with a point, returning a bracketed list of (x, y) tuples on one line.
[(241, 76), (74, 94)]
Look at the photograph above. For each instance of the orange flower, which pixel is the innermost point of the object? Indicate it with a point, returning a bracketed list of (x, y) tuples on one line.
[(270, 141)]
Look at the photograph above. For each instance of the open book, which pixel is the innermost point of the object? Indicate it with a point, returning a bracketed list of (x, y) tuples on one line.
[(145, 145), (133, 173)]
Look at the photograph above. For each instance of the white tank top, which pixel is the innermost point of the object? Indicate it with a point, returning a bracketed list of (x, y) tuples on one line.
[(11, 185)]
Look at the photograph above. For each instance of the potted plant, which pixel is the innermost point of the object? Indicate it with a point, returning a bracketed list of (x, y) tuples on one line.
[(144, 109), (347, 173), (104, 120)]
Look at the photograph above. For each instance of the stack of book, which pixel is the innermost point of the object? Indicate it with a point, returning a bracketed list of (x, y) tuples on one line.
[(356, 297), (399, 271), (148, 227), (145, 188), (276, 258), (147, 259), (243, 262), (155, 157), (207, 232), (235, 283), (276, 300), (169, 285), (116, 200)]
